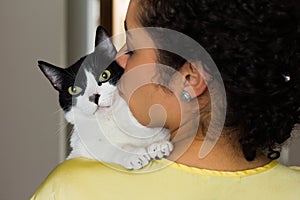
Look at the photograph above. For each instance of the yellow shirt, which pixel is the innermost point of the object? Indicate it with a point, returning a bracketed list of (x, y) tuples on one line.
[(163, 180)]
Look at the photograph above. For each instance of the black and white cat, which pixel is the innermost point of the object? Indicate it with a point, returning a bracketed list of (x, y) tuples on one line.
[(104, 128)]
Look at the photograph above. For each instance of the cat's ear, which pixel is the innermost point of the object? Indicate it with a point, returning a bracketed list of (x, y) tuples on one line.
[(101, 35), (53, 73), (104, 48)]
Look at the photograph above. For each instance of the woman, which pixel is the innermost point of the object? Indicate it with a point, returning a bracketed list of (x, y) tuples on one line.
[(256, 47)]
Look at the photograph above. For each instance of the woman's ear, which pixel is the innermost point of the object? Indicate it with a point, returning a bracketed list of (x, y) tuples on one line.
[(194, 75)]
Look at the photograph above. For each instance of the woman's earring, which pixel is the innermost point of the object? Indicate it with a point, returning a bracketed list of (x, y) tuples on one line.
[(185, 96)]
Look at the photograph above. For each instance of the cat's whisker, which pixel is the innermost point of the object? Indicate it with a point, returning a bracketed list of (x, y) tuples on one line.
[(63, 123), (58, 111), (62, 127)]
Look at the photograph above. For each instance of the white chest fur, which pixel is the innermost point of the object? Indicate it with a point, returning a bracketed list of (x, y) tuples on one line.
[(117, 137)]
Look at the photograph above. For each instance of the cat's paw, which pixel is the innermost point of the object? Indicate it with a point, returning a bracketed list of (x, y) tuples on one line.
[(135, 162), (160, 150)]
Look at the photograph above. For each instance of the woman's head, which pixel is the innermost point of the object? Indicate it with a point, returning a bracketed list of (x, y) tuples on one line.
[(140, 86), (256, 47)]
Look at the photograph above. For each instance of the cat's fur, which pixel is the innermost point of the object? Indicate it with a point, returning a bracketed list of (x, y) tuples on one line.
[(104, 127)]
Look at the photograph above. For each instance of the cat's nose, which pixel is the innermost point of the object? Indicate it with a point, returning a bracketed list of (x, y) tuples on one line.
[(95, 98)]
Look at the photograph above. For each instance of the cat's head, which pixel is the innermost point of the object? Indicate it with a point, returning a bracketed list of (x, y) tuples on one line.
[(88, 85)]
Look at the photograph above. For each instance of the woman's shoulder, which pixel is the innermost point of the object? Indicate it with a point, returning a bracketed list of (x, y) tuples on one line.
[(78, 164), (73, 179), (83, 178), (79, 168), (295, 168), (289, 170), (85, 167), (285, 176), (293, 172)]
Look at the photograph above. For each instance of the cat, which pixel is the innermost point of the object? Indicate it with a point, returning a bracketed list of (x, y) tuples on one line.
[(103, 126)]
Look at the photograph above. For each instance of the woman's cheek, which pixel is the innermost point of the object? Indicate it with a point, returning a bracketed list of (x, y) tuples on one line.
[(139, 104)]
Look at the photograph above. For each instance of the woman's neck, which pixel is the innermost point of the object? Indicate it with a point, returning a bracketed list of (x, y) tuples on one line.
[(223, 157)]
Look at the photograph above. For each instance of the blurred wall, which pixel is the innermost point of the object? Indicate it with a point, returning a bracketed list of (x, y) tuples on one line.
[(119, 15), (82, 21), (294, 151), (31, 143), (33, 130)]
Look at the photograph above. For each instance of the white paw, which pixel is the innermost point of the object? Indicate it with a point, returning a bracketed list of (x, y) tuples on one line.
[(135, 162), (160, 150)]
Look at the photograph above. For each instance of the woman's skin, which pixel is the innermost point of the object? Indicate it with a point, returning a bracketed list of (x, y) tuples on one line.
[(226, 154)]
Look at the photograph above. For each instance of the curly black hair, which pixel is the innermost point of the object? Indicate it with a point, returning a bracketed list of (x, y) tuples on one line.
[(256, 47)]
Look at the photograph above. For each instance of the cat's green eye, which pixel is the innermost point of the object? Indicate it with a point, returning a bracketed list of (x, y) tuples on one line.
[(104, 76), (74, 90)]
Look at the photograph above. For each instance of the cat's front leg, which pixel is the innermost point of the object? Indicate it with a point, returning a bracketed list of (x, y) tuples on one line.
[(160, 150)]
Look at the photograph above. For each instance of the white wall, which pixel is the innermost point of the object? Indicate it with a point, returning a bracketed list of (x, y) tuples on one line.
[(119, 14), (30, 137)]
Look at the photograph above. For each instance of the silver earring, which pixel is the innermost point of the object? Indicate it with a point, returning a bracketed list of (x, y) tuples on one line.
[(185, 96), (287, 78)]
